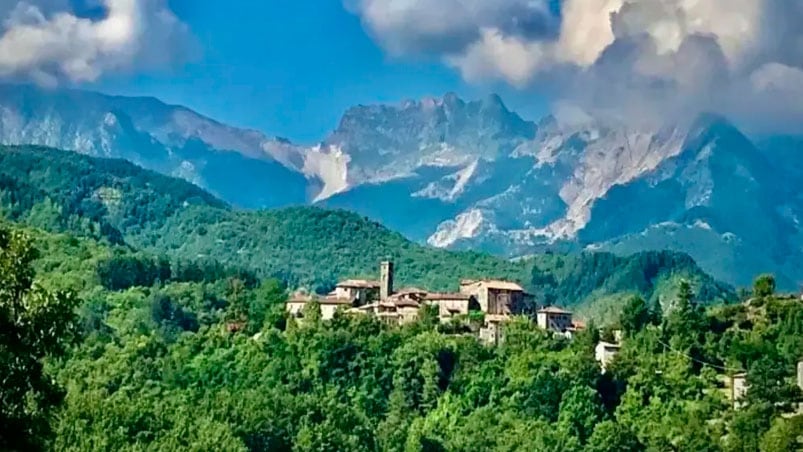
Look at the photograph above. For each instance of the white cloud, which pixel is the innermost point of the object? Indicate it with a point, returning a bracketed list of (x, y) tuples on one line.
[(46, 41), (494, 55), (672, 55)]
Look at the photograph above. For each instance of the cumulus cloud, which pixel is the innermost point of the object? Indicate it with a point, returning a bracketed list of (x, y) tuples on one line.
[(46, 41), (645, 56)]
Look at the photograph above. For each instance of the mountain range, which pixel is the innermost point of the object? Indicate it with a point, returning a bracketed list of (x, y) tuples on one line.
[(471, 175), (139, 218)]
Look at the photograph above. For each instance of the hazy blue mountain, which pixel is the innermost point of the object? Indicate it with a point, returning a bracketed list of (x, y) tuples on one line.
[(244, 167), (471, 175)]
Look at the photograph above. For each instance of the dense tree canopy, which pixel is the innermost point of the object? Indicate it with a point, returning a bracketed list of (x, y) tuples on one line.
[(34, 324), (183, 342)]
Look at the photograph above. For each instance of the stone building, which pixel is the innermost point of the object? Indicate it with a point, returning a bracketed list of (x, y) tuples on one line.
[(360, 291), (604, 353), (495, 296), (328, 305), (493, 331), (451, 305), (497, 299), (385, 280), (800, 375), (739, 387), (554, 319)]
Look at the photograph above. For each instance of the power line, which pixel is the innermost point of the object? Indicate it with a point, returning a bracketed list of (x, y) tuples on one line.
[(716, 366)]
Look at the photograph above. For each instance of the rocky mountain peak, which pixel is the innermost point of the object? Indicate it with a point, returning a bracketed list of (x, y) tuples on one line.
[(469, 173)]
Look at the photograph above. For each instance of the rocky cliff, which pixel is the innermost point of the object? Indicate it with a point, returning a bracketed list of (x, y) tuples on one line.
[(460, 174)]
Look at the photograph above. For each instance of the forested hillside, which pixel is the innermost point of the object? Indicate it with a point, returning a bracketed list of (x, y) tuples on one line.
[(122, 204), (138, 313), (203, 358)]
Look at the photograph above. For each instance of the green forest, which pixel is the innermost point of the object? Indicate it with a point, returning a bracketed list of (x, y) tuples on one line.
[(138, 312), (119, 204)]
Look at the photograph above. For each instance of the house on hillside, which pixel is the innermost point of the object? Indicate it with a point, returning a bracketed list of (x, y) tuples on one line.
[(604, 353), (739, 387), (554, 319), (495, 296), (497, 299), (328, 305), (800, 374), (451, 304), (360, 291)]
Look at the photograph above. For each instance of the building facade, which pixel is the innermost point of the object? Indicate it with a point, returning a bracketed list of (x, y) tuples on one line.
[(604, 353), (496, 299), (495, 296), (554, 319)]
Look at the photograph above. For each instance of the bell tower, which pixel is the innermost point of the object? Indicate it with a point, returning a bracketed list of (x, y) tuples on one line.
[(385, 280)]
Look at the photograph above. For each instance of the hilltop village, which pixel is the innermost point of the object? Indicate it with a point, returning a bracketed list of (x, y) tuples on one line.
[(494, 301)]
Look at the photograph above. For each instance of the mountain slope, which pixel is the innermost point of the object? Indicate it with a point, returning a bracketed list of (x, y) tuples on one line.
[(700, 187), (244, 167), (471, 175), (304, 246)]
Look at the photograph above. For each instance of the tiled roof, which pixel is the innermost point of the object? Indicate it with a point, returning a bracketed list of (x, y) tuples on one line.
[(553, 310), (300, 298), (359, 284), (494, 284), (410, 290), (447, 296), (579, 324), (405, 304), (332, 300), (306, 298)]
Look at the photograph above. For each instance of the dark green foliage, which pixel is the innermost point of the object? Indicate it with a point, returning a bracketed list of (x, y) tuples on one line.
[(299, 246), (34, 324), (213, 364), (125, 271), (588, 280), (611, 436), (183, 350), (635, 316), (764, 286)]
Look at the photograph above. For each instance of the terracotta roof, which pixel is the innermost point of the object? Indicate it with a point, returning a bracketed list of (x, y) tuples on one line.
[(300, 298), (406, 304), (410, 290), (332, 300), (494, 284), (447, 296), (359, 284), (553, 310)]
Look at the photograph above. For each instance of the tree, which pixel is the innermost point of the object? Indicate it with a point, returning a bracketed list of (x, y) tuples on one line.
[(580, 411), (612, 436), (783, 435), (34, 324), (768, 382), (635, 315), (656, 312), (686, 322), (764, 286)]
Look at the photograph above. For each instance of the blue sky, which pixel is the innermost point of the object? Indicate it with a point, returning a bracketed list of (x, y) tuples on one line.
[(291, 67)]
